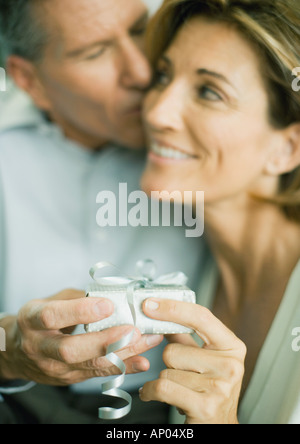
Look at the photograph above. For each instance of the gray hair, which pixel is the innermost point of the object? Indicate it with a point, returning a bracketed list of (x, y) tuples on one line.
[(21, 31)]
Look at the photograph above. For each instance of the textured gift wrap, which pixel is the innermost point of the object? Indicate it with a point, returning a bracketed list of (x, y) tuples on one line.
[(118, 294), (128, 295)]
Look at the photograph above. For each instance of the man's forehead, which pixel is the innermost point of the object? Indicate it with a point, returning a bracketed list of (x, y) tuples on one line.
[(78, 20)]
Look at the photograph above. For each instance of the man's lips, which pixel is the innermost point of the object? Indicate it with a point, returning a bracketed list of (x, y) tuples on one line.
[(135, 108)]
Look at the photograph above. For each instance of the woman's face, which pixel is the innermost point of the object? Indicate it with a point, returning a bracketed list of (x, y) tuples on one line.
[(207, 117)]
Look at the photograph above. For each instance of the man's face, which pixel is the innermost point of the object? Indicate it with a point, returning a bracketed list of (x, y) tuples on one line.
[(93, 74)]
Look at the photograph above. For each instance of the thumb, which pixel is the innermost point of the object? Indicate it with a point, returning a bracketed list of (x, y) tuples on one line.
[(67, 295)]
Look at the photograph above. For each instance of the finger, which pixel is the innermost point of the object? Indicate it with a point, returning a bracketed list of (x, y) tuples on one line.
[(198, 360), (138, 346), (169, 392), (146, 343), (215, 335), (196, 382), (60, 314), (104, 368), (188, 379), (57, 373), (85, 347), (136, 365)]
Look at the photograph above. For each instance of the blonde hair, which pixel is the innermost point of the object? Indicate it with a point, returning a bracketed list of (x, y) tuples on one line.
[(273, 28)]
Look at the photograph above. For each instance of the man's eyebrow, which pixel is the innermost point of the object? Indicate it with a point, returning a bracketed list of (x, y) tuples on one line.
[(77, 52)]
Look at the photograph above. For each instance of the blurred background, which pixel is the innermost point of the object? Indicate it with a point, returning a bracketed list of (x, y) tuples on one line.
[(153, 5)]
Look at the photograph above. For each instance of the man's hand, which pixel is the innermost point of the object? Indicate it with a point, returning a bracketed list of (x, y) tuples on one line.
[(40, 347)]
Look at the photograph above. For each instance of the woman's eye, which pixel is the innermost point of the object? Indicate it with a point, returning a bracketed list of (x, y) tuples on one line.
[(160, 78), (208, 94)]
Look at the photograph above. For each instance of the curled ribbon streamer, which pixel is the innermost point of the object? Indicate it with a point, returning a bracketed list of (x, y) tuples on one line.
[(147, 270), (111, 388)]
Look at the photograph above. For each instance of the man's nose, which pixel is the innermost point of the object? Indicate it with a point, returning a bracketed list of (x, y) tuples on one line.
[(137, 72)]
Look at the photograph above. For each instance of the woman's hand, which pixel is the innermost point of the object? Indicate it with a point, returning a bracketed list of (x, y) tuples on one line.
[(203, 383)]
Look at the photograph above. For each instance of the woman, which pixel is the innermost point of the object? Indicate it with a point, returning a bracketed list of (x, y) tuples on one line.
[(222, 117)]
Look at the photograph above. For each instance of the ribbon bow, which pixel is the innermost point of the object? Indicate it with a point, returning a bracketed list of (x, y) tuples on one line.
[(146, 271)]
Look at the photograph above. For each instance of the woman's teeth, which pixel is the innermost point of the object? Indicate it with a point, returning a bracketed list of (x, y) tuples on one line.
[(168, 153)]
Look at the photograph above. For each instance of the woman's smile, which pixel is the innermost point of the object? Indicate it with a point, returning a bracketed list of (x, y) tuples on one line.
[(164, 152)]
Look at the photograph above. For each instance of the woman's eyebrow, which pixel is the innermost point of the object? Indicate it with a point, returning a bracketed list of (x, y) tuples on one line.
[(141, 21), (166, 59), (204, 71)]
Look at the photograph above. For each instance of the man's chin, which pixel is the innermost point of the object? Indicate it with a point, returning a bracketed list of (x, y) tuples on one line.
[(136, 143), (136, 148)]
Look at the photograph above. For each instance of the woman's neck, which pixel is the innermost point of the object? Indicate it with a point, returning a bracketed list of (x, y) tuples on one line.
[(255, 247)]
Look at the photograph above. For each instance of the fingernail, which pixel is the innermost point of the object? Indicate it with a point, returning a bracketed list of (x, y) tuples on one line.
[(152, 305), (137, 368), (103, 308)]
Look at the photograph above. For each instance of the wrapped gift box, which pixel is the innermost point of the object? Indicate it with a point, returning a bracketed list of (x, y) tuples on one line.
[(118, 294)]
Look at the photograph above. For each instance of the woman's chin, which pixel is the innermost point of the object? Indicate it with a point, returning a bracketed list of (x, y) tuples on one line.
[(153, 182)]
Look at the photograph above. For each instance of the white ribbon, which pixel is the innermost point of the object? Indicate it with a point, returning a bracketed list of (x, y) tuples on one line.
[(147, 270)]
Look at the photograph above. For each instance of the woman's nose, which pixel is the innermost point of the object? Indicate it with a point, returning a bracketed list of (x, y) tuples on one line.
[(164, 110)]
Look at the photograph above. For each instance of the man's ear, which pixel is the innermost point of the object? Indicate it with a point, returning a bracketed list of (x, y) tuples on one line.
[(24, 74), (286, 157)]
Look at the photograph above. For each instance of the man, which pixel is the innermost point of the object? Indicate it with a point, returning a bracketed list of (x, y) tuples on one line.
[(83, 67)]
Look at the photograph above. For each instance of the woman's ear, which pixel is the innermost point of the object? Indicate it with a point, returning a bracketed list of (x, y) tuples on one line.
[(24, 74), (286, 157)]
